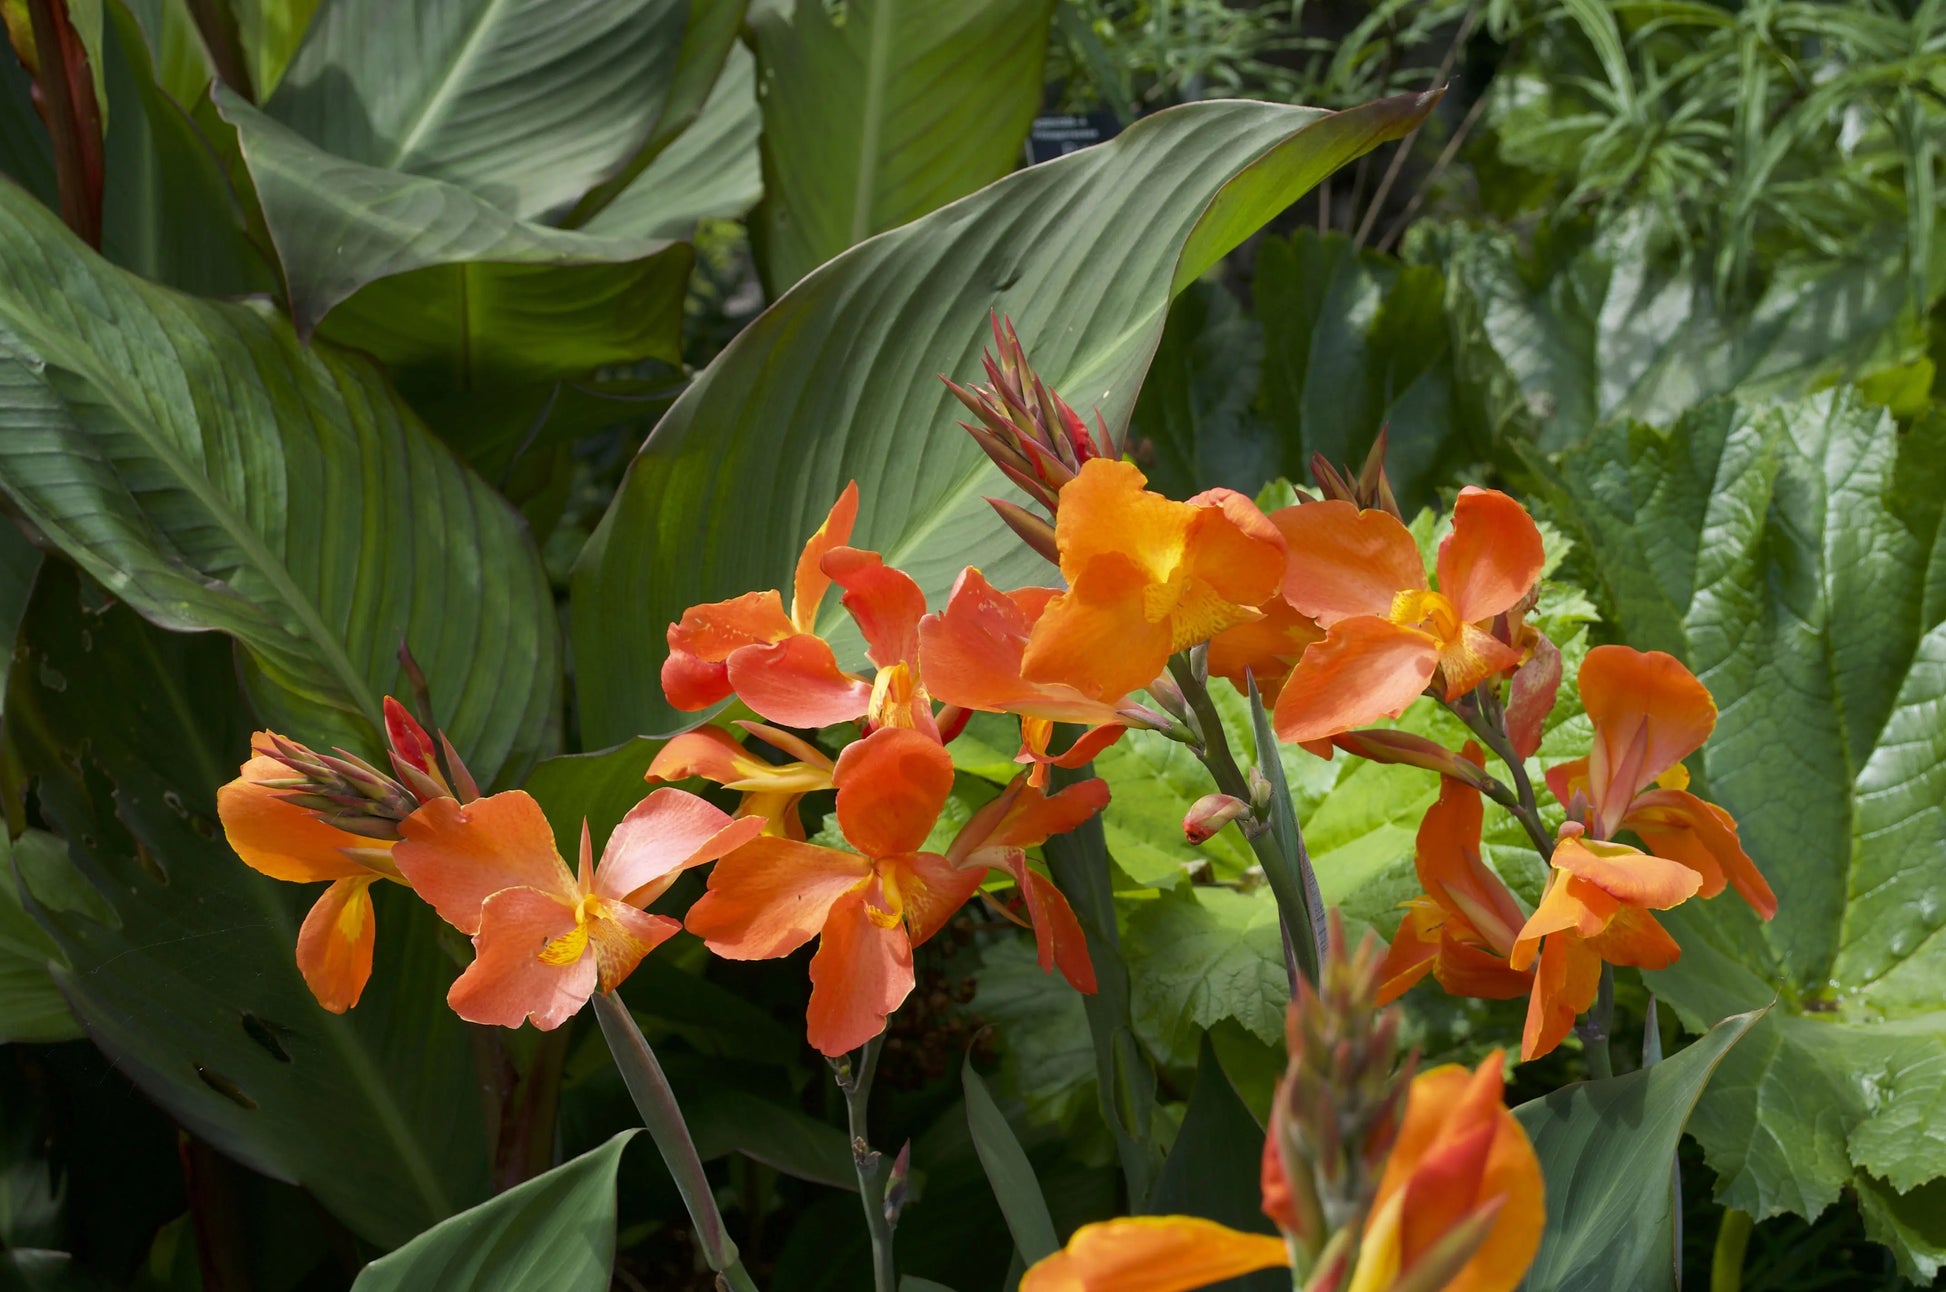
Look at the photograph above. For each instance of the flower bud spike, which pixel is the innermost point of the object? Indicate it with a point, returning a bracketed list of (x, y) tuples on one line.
[(1209, 814), (415, 677), (469, 789), (1029, 528), (898, 1184)]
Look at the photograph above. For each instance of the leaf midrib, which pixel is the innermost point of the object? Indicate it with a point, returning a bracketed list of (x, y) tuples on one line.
[(429, 110)]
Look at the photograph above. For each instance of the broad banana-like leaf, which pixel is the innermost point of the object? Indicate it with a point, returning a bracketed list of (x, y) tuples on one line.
[(216, 473), (839, 379), (892, 112)]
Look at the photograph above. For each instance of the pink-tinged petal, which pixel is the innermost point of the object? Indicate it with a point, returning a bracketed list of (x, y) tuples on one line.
[(458, 855), (973, 650), (1649, 713), (931, 890), (1345, 562), (334, 947), (276, 837), (892, 786), (513, 978), (885, 603), (693, 677), (772, 895), (797, 682), (1678, 825), (1630, 877), (1531, 697), (808, 588), (861, 973), (667, 832), (1492, 558), (1363, 670)]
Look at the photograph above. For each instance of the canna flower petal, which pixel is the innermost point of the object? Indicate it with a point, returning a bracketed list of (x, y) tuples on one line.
[(812, 579), (1037, 733), (1570, 904), (1446, 856), (886, 604), (892, 786), (1678, 825), (974, 650), (1493, 556), (1364, 669), (1267, 648), (1097, 638), (665, 834), (1565, 983), (770, 790), (1463, 969), (1530, 696), (1058, 939), (1022, 816), (1471, 656), (334, 946), (1634, 937), (797, 682), (511, 979), (1632, 878), (861, 973), (1345, 562), (1154, 1254), (1414, 948), (458, 855), (772, 895), (930, 891), (1235, 549), (277, 838), (1649, 713), (696, 675)]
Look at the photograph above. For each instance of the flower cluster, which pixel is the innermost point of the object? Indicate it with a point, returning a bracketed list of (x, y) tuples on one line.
[(1377, 1180)]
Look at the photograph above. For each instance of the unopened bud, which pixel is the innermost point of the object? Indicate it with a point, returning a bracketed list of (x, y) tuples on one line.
[(898, 1184), (1260, 789), (1382, 745), (1029, 528), (1209, 814)]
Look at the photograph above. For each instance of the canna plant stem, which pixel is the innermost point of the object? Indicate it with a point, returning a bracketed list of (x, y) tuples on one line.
[(856, 1082), (1726, 1262), (660, 1113)]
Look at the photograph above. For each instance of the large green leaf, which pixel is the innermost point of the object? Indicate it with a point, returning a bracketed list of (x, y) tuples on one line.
[(216, 473), (1597, 328), (525, 103), (1202, 955), (893, 108), (180, 964), (1792, 556), (838, 380), (555, 1231), (1608, 1153), (31, 1005)]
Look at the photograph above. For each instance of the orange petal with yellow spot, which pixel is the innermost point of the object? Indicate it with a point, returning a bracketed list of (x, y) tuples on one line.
[(1470, 658), (892, 786), (931, 890), (1106, 511), (1266, 648), (861, 973), (1678, 825), (278, 838), (1345, 562), (797, 682), (1363, 670), (808, 588), (1492, 558), (1630, 877), (458, 855), (771, 896), (509, 981), (334, 946), (1154, 1254), (621, 938)]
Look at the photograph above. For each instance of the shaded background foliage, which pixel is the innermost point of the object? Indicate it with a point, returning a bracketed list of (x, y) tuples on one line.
[(381, 320)]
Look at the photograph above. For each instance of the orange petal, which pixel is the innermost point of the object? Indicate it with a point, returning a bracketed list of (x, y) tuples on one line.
[(334, 947), (1035, 734), (1649, 714), (1632, 878), (457, 855), (709, 752), (1678, 825), (931, 890), (1234, 548), (1566, 781), (1446, 856), (1098, 637), (1465, 969), (666, 833), (1443, 1188), (1530, 698), (861, 973), (1492, 558), (510, 981), (1471, 657), (886, 604), (1058, 939), (973, 650), (1106, 511), (1569, 903), (1154, 1254), (808, 588), (1345, 562), (1266, 648), (1023, 816), (891, 788), (797, 682), (771, 896), (1364, 669), (1410, 956), (621, 937), (278, 838), (694, 676), (1634, 937), (1565, 983)]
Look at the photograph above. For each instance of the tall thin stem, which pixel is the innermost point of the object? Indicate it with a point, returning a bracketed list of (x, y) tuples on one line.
[(856, 1082), (660, 1113), (1726, 1262)]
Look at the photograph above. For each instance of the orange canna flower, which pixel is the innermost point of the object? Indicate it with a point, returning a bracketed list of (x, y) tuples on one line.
[(1464, 928), (1461, 1159), (544, 938), (1388, 637), (1267, 648), (869, 908), (974, 651), (305, 818), (1154, 1254), (1650, 713), (1146, 577), (770, 790)]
